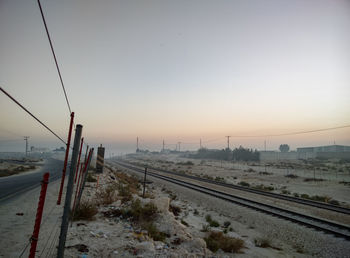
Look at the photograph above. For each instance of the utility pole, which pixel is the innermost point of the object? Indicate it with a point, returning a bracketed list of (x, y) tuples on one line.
[(26, 139), (228, 142), (137, 144), (179, 146)]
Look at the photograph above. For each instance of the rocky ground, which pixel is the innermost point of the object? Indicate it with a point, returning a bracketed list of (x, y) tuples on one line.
[(186, 220)]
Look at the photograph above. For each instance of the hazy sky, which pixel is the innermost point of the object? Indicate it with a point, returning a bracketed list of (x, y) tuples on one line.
[(177, 70)]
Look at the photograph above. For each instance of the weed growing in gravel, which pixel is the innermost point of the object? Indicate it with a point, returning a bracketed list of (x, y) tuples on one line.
[(243, 183), (217, 240), (205, 228), (212, 223)]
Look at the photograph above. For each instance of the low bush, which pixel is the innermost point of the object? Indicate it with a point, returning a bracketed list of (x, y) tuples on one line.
[(90, 178), (291, 176), (106, 196), (212, 223), (175, 210), (85, 211), (243, 183), (217, 240)]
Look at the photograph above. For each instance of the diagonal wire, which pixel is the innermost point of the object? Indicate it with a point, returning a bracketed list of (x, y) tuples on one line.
[(19, 104), (54, 56)]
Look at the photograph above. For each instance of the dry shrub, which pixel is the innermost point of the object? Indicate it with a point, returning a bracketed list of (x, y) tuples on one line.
[(106, 196), (124, 192), (262, 242), (85, 211), (174, 209), (217, 240)]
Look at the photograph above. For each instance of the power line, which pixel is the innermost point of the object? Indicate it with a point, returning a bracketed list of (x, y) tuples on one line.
[(19, 104), (292, 133), (54, 56)]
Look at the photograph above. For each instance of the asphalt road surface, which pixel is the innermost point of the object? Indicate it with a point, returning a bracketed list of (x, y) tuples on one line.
[(14, 185)]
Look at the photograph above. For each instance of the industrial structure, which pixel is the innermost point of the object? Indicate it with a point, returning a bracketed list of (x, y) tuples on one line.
[(100, 159), (328, 152)]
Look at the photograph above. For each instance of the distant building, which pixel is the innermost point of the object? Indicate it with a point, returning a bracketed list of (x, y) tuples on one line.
[(41, 150), (329, 148), (328, 152)]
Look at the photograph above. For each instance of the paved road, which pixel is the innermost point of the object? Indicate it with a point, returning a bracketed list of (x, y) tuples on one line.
[(13, 185)]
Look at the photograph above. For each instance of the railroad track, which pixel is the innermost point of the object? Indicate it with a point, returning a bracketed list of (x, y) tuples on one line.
[(320, 205), (326, 226)]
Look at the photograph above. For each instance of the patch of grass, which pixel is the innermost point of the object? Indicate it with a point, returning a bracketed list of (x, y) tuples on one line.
[(285, 191), (217, 240), (243, 183), (212, 223), (154, 233), (291, 176), (205, 228), (85, 211), (310, 179), (264, 188), (219, 179), (187, 163), (321, 198)]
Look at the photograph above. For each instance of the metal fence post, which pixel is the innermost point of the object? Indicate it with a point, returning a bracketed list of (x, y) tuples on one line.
[(66, 158), (66, 210), (39, 214), (81, 147), (86, 171), (144, 183)]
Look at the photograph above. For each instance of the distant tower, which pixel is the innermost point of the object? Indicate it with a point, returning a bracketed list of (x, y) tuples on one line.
[(179, 146), (228, 142), (26, 139), (200, 143), (100, 159), (137, 144), (163, 145)]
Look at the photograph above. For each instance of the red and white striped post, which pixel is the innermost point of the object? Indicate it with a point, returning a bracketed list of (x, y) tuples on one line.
[(81, 146), (39, 213), (66, 158)]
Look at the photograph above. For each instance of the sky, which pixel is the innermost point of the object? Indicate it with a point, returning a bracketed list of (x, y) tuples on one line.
[(180, 71)]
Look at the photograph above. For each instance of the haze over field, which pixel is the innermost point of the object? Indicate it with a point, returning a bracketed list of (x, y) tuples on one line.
[(177, 70)]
